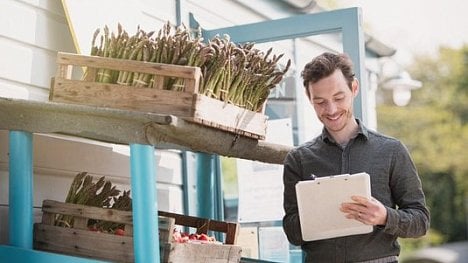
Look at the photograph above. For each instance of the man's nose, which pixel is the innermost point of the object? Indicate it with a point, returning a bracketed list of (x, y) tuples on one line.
[(330, 107)]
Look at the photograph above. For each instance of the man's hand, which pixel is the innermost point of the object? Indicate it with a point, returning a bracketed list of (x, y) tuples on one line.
[(368, 211)]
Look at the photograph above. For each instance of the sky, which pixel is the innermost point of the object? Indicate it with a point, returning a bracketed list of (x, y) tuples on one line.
[(414, 27)]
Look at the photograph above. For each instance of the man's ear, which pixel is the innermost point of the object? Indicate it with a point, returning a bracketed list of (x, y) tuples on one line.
[(355, 87)]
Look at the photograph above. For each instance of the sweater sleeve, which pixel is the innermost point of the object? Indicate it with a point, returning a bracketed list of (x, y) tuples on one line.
[(291, 176), (411, 217)]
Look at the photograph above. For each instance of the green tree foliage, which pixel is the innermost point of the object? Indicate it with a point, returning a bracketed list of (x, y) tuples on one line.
[(435, 129)]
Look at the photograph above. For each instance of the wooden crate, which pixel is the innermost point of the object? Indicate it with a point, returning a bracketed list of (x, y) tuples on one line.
[(78, 240), (187, 104)]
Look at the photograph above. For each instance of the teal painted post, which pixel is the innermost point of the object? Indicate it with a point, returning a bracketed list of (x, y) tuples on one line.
[(144, 204), (16, 254), (353, 45), (20, 214), (205, 185)]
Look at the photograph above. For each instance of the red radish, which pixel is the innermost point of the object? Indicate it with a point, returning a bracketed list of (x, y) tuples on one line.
[(204, 237), (119, 232)]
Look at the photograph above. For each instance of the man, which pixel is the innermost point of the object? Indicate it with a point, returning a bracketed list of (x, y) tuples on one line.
[(397, 207)]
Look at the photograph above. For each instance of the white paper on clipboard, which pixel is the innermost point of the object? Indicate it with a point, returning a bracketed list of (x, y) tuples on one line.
[(319, 201)]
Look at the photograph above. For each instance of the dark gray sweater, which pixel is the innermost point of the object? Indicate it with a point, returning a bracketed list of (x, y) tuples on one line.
[(394, 182)]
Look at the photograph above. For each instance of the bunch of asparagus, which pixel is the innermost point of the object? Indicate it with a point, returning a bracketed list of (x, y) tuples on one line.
[(121, 202), (99, 194), (238, 74)]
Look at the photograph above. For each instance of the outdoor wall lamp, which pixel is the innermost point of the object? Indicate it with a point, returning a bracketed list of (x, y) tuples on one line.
[(401, 86)]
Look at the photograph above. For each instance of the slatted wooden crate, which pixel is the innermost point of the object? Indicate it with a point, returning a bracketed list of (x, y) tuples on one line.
[(78, 240), (187, 103)]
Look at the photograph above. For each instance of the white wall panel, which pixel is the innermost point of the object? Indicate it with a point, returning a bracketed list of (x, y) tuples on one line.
[(216, 14), (52, 6), (52, 33), (10, 89), (17, 21), (16, 62), (34, 26), (27, 65), (161, 11), (30, 34), (170, 198)]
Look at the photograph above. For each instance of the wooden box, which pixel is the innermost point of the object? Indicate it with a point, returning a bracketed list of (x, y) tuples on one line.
[(78, 240), (187, 103)]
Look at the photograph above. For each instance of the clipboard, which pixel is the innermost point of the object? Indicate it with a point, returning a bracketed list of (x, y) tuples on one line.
[(319, 201)]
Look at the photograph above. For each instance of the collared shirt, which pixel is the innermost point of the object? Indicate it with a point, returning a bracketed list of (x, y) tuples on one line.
[(394, 182)]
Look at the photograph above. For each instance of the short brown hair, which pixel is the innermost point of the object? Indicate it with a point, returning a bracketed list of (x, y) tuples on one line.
[(324, 65)]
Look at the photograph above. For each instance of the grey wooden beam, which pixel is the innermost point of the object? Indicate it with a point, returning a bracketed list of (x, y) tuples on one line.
[(209, 140), (126, 127)]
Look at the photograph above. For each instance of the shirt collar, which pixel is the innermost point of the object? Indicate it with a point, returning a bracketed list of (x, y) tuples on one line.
[(362, 131)]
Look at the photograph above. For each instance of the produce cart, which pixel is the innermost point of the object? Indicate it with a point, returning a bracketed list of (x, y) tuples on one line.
[(142, 131)]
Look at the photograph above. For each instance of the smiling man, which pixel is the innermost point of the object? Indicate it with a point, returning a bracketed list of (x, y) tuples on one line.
[(397, 207)]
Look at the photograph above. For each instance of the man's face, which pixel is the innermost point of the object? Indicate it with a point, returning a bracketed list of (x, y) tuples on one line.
[(333, 101)]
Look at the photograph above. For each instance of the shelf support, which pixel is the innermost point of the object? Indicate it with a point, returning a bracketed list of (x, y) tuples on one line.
[(144, 204), (206, 185), (20, 195)]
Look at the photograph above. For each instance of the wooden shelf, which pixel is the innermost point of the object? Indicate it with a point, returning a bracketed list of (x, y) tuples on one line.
[(127, 127), (114, 126)]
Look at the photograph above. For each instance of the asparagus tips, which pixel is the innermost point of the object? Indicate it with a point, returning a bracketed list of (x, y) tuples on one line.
[(236, 73), (83, 190)]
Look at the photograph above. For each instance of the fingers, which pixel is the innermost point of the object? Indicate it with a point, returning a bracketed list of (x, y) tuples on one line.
[(359, 216), (359, 199), (360, 204), (364, 200), (370, 203), (366, 210), (353, 211)]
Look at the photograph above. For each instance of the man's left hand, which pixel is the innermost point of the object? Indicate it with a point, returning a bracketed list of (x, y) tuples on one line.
[(366, 210)]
